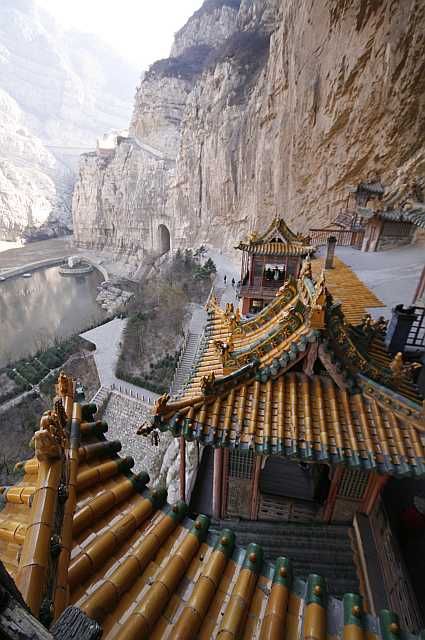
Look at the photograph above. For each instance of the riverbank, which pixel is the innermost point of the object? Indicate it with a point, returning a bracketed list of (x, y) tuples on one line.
[(35, 252)]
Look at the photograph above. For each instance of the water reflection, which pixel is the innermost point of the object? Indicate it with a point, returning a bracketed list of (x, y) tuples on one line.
[(33, 312)]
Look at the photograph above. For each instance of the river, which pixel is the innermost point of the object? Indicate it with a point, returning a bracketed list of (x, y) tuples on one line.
[(35, 311)]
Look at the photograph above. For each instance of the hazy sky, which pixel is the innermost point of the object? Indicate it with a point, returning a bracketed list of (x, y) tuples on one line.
[(140, 30)]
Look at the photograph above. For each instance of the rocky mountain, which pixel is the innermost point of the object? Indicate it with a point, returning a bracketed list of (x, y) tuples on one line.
[(264, 107), (58, 92)]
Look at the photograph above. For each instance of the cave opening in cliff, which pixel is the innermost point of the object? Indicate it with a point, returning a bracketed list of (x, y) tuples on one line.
[(164, 239)]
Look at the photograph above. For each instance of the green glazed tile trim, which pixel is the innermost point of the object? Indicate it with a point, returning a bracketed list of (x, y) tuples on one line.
[(283, 572), (157, 498), (88, 411), (178, 511), (139, 481), (390, 626), (353, 609), (114, 446), (125, 464), (200, 527), (97, 427), (225, 542), (253, 558), (316, 590)]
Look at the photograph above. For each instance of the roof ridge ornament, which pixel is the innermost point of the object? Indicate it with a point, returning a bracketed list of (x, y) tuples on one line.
[(50, 441), (212, 302), (161, 404), (401, 370)]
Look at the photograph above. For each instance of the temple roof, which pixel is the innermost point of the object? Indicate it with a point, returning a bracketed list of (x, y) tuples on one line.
[(296, 381), (278, 239), (142, 568), (413, 213), (276, 249), (311, 419)]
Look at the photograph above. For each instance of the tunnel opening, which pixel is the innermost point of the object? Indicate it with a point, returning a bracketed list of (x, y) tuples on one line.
[(164, 239)]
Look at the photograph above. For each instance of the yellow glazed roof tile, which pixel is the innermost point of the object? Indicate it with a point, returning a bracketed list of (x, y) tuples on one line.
[(155, 567)]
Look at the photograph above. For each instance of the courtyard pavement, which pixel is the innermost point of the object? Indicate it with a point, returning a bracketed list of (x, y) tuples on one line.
[(392, 275)]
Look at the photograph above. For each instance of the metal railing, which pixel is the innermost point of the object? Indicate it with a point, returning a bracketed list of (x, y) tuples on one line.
[(129, 392), (260, 288), (344, 237), (416, 337), (179, 362)]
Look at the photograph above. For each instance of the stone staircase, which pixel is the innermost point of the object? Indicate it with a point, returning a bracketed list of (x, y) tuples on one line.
[(100, 399), (313, 548), (187, 360), (194, 342)]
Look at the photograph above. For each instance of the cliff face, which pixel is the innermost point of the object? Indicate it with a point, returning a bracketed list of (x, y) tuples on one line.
[(302, 100), (123, 195), (59, 91)]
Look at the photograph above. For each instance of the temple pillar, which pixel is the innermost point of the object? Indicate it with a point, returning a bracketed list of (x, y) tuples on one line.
[(255, 492), (246, 303), (399, 328), (217, 483), (333, 493), (373, 490), (225, 482), (330, 254), (420, 289), (182, 468)]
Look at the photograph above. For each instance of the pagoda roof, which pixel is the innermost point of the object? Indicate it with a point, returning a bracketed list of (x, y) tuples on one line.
[(308, 418), (414, 213), (276, 249), (140, 567), (246, 390), (278, 239)]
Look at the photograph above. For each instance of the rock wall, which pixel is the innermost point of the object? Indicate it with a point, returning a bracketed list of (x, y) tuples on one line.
[(300, 101), (121, 200), (59, 92)]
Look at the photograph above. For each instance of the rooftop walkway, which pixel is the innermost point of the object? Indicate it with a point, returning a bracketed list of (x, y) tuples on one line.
[(392, 275), (345, 286)]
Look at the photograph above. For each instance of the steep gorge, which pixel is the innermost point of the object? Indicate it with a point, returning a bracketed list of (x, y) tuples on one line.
[(264, 107)]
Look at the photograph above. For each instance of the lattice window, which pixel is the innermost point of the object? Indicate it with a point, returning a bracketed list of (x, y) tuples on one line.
[(353, 484), (398, 229), (241, 464)]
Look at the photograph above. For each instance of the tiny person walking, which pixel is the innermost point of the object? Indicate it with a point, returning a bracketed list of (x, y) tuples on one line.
[(225, 279), (233, 282)]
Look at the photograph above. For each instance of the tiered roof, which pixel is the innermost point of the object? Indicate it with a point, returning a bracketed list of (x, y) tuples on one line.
[(278, 239), (298, 381), (414, 212), (81, 529)]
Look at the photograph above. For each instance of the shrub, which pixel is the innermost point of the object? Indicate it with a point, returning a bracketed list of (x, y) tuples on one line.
[(188, 65), (246, 48)]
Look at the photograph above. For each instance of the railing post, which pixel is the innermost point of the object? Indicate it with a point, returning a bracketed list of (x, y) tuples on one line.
[(330, 252), (399, 328)]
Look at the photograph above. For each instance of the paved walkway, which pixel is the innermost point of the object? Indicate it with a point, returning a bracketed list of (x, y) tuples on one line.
[(107, 339), (392, 275), (344, 284)]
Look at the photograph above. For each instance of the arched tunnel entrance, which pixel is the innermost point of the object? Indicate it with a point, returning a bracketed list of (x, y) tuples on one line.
[(164, 240)]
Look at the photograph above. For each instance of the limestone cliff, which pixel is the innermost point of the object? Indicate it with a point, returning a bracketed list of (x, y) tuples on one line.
[(299, 101), (58, 92), (122, 198)]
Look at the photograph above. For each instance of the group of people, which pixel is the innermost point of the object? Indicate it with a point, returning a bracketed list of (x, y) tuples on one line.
[(275, 273), (225, 281)]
